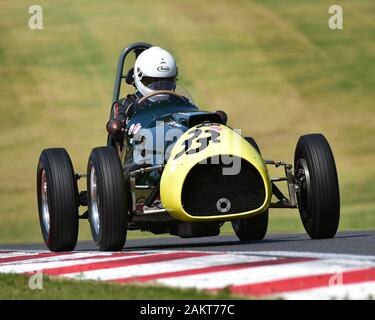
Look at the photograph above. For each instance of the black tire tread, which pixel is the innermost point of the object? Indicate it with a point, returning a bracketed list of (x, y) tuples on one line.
[(112, 205), (325, 204), (62, 198)]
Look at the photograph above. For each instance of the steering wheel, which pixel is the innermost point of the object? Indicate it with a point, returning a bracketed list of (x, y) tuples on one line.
[(147, 96)]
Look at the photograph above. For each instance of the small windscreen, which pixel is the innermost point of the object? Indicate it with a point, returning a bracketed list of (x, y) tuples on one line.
[(181, 93)]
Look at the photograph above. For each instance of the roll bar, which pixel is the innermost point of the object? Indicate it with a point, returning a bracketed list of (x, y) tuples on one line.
[(137, 48)]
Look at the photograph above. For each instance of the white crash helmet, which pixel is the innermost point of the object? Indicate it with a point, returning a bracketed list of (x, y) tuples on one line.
[(155, 65)]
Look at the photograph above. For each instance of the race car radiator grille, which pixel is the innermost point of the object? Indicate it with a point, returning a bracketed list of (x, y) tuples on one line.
[(209, 192)]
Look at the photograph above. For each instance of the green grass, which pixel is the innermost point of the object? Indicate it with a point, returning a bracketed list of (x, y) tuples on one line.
[(274, 66), (15, 287)]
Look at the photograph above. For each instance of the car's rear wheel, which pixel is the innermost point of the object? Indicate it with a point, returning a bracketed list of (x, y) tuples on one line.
[(318, 195), (107, 199), (57, 194), (254, 228)]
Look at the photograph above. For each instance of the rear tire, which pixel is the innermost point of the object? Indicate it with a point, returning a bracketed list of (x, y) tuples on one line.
[(254, 228), (318, 198), (57, 194), (107, 199)]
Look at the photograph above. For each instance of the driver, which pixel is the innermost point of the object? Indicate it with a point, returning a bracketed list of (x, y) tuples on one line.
[(153, 70)]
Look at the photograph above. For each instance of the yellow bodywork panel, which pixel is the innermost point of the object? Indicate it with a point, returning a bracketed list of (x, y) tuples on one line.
[(198, 144)]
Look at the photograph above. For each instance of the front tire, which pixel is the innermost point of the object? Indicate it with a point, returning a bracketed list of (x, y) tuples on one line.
[(254, 228), (107, 199), (318, 197), (57, 194)]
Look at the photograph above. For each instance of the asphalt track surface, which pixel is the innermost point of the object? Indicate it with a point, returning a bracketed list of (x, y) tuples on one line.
[(347, 242)]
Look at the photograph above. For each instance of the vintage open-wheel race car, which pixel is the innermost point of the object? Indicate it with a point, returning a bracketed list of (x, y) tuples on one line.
[(182, 171)]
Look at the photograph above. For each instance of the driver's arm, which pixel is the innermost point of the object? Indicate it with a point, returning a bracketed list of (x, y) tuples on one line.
[(122, 111), (125, 108)]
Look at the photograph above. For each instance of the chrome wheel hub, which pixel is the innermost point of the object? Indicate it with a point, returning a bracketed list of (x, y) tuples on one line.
[(44, 196), (94, 201)]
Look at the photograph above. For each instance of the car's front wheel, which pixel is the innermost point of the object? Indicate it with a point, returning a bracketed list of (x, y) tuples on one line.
[(318, 195), (107, 199), (57, 194)]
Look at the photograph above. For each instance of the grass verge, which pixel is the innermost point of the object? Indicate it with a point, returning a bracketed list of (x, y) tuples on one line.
[(14, 286)]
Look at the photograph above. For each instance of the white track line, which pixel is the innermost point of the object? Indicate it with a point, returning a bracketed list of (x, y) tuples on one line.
[(361, 291), (63, 257), (30, 267), (166, 266), (333, 256), (7, 255), (260, 274), (17, 254)]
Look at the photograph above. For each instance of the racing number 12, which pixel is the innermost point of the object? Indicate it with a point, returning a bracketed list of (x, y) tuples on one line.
[(203, 142)]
